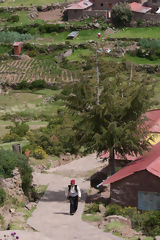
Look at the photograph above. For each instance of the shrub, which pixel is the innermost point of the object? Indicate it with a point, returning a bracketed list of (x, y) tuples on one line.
[(139, 22), (39, 8), (92, 208), (22, 85), (32, 53), (151, 223), (37, 84), (6, 37), (13, 18), (10, 137), (121, 15), (9, 161), (28, 46), (113, 209), (39, 153), (19, 129), (49, 28), (28, 147), (2, 196)]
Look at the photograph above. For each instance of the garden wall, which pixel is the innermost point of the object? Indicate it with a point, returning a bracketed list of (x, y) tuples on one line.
[(95, 13), (149, 18)]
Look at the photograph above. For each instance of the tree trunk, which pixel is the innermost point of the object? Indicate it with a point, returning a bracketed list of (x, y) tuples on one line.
[(112, 162)]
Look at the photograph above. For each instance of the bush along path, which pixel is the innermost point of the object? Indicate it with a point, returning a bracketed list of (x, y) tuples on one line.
[(51, 219)]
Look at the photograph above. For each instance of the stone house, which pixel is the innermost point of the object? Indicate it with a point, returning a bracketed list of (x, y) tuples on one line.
[(137, 184), (75, 10)]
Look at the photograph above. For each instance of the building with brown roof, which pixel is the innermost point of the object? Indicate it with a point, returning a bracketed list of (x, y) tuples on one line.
[(75, 11)]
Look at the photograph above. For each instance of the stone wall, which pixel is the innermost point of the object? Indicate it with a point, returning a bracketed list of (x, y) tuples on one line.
[(13, 186), (94, 13), (43, 7), (148, 18)]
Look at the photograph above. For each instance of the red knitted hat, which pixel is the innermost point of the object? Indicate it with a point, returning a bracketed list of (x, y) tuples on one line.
[(73, 181)]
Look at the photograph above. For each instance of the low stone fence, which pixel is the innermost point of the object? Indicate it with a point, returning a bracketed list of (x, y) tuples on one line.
[(94, 13), (148, 18), (29, 8)]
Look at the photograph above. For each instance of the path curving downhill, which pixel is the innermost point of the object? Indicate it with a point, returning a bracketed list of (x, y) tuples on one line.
[(51, 218)]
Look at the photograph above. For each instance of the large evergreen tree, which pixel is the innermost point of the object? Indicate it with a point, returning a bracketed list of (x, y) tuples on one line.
[(116, 123)]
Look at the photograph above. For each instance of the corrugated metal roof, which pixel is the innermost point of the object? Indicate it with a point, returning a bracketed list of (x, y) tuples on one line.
[(17, 43), (119, 156), (137, 7), (154, 122), (150, 161), (80, 5), (158, 11)]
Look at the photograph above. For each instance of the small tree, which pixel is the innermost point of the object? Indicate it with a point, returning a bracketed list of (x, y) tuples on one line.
[(121, 15), (115, 123)]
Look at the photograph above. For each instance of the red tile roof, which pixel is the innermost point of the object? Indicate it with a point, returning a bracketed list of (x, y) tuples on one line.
[(137, 7), (150, 161), (80, 5)]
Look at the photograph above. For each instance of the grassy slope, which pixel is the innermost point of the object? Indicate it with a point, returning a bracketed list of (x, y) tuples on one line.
[(84, 36), (147, 32), (29, 103), (28, 2)]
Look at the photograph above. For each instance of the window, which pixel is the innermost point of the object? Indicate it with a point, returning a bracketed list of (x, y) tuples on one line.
[(101, 4)]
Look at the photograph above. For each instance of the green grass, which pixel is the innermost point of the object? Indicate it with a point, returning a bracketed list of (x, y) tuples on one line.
[(135, 59), (16, 225), (84, 36), (28, 213), (29, 2), (147, 32), (23, 19), (41, 189), (30, 104), (91, 218), (115, 225), (79, 54), (8, 146)]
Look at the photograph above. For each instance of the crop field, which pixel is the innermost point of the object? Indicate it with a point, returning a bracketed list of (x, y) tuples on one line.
[(15, 71)]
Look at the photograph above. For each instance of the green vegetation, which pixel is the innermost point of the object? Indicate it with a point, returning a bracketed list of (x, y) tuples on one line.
[(146, 32), (28, 213), (80, 54), (9, 161), (91, 218), (16, 133), (28, 2), (109, 118), (91, 208), (16, 225), (121, 15), (6, 37), (145, 221), (2, 196), (115, 226), (2, 221)]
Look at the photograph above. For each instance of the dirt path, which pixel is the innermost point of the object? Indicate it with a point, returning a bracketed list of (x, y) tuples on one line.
[(51, 218)]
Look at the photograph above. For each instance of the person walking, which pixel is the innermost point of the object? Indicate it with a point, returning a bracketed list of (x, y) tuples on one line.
[(74, 195)]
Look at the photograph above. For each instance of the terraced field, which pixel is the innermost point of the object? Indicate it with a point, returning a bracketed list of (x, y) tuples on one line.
[(15, 71)]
